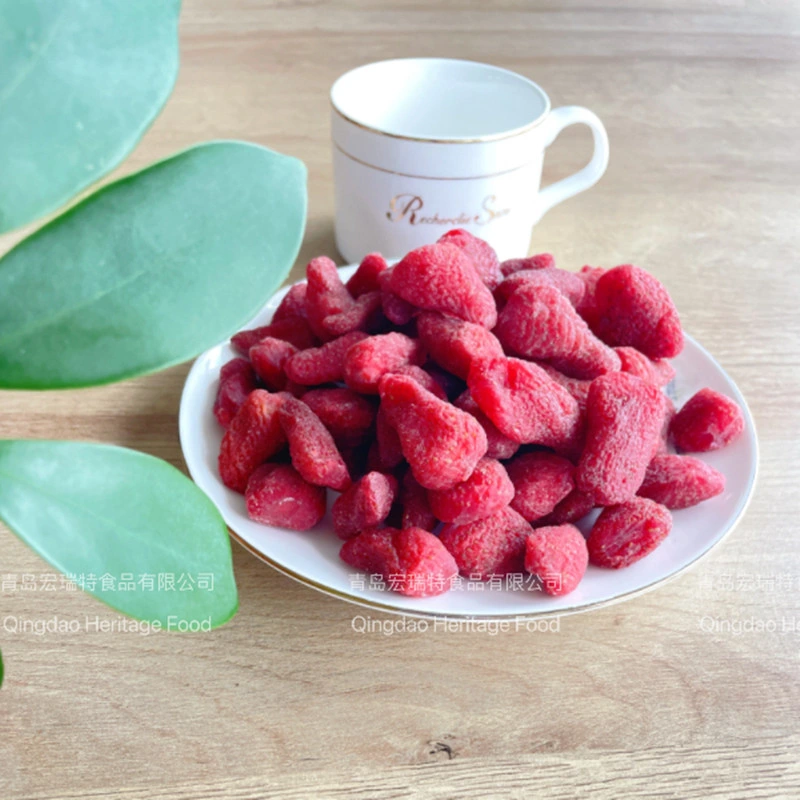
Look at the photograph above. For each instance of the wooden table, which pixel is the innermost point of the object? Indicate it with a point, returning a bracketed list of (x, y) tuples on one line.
[(703, 111)]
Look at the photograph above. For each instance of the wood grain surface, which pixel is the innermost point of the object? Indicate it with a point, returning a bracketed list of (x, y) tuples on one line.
[(670, 695)]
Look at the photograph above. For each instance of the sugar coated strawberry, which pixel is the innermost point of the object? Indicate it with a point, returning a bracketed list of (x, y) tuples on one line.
[(360, 316), (575, 506), (453, 344), (293, 304), (623, 420), (416, 508), (423, 378), (523, 402), (253, 436), (441, 443), (311, 446), (568, 283), (365, 504), (346, 414), (484, 493), (659, 372), (627, 532), (680, 481), (236, 380), (557, 555), (395, 309), (541, 481), (322, 364), (577, 387), (499, 446), (587, 306), (538, 322), (491, 546), (269, 357), (540, 261), (707, 421), (412, 560), (277, 495), (390, 449), (483, 256), (441, 277), (633, 309), (294, 330), (326, 295), (367, 277), (367, 361)]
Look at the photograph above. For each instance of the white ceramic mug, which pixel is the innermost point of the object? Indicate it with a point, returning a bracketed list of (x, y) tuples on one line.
[(423, 145)]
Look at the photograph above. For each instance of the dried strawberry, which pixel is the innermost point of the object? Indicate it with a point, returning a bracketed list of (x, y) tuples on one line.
[(558, 556), (277, 495), (706, 422), (484, 493)]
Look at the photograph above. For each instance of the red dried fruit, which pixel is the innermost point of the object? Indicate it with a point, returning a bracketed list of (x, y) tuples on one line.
[(412, 560), (416, 507), (707, 421), (632, 308), (572, 508), (568, 283), (236, 380), (524, 403), (372, 551), (577, 387), (311, 446), (441, 443), (359, 317), (390, 451), (662, 445), (293, 304), (395, 309), (423, 378), (452, 385), (277, 495), (557, 555), (541, 481), (659, 372), (269, 357), (623, 419), (441, 277), (491, 546), (499, 446), (347, 415), (369, 360), (587, 307), (540, 261), (253, 436), (453, 344), (366, 278), (625, 533), (538, 322), (484, 493), (680, 481), (294, 330), (483, 256), (322, 364), (365, 504), (326, 294)]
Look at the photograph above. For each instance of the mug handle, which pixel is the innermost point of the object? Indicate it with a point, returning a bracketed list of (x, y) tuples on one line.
[(556, 121)]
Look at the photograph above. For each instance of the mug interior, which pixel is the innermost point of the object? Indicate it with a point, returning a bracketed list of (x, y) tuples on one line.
[(439, 99)]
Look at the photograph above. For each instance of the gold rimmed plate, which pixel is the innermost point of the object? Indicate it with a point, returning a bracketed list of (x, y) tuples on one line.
[(312, 557)]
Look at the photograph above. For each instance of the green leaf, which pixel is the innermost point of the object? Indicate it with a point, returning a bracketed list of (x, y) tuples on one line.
[(151, 270), (80, 82), (98, 510)]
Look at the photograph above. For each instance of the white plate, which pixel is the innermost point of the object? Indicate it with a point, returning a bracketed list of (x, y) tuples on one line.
[(313, 557)]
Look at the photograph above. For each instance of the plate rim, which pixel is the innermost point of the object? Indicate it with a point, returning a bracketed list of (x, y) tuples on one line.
[(375, 605)]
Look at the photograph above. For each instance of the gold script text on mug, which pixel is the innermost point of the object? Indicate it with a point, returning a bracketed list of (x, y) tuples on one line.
[(406, 207)]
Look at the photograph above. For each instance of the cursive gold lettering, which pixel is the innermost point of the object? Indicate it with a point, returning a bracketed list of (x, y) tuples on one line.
[(404, 206), (407, 207)]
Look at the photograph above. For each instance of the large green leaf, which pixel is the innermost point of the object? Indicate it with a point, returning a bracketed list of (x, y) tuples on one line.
[(95, 510), (151, 270), (80, 82)]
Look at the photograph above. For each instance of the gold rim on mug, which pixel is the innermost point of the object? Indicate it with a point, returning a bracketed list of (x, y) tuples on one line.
[(427, 177), (494, 137)]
